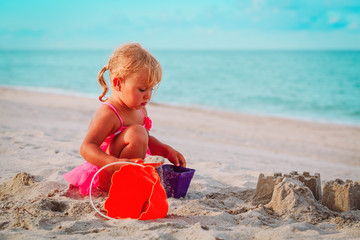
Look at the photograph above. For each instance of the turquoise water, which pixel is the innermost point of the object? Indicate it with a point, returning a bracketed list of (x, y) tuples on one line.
[(312, 85)]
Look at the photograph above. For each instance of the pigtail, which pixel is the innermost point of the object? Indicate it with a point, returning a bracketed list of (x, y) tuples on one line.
[(103, 83)]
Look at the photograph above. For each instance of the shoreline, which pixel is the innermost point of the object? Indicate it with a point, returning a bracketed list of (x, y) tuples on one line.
[(66, 93), (41, 135)]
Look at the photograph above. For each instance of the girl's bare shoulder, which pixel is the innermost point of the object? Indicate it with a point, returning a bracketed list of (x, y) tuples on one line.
[(106, 116)]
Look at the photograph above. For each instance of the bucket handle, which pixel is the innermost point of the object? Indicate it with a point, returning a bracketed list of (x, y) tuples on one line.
[(92, 180)]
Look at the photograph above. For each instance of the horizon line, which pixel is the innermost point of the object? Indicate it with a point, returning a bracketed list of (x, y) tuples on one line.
[(185, 49)]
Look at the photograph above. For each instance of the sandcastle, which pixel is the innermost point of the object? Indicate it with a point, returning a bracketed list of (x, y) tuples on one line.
[(337, 195), (342, 196), (265, 185)]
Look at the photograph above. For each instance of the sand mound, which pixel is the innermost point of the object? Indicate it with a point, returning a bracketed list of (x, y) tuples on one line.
[(18, 183), (291, 196), (292, 199), (154, 159)]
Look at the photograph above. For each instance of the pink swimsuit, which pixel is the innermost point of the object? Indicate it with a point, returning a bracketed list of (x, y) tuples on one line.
[(82, 175)]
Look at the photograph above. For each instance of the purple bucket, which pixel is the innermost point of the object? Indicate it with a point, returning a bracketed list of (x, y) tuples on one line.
[(175, 180)]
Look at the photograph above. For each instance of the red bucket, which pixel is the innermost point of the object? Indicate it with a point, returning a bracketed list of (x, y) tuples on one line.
[(136, 192)]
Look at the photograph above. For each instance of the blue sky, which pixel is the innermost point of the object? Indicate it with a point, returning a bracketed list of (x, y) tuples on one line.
[(244, 24)]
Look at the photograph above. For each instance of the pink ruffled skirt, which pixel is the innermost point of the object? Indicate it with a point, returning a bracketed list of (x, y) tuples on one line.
[(81, 177)]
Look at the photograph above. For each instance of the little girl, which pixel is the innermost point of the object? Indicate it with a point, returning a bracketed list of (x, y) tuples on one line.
[(119, 131)]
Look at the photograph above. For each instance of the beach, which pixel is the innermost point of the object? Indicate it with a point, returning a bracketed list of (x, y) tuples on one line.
[(41, 135)]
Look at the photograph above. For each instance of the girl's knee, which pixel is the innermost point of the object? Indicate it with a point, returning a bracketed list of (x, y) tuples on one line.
[(136, 134), (133, 140)]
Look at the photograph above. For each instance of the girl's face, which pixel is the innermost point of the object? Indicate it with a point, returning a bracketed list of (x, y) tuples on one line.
[(135, 91)]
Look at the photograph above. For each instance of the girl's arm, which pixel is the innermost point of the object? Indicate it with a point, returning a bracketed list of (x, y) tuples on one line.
[(100, 127), (161, 149)]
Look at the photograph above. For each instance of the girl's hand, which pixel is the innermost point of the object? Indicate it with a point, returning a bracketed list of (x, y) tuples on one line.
[(158, 148), (175, 157)]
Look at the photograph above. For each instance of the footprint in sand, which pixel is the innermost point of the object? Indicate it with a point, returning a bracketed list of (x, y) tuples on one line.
[(53, 205)]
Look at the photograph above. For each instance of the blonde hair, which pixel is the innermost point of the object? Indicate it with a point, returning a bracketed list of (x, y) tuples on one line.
[(127, 59)]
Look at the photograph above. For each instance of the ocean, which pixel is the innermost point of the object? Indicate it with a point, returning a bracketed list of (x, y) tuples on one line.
[(319, 86)]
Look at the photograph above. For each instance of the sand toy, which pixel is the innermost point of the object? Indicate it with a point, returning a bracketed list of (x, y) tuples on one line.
[(175, 180)]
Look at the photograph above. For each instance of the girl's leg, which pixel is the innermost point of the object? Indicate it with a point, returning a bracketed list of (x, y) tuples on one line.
[(131, 143)]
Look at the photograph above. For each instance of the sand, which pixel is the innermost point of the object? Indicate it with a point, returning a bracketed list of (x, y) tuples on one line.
[(40, 136)]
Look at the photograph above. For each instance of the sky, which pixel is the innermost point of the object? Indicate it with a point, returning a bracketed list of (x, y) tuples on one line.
[(180, 25)]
